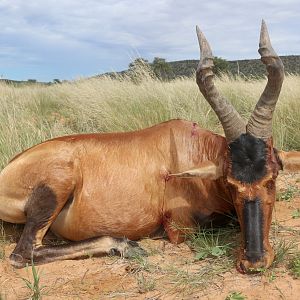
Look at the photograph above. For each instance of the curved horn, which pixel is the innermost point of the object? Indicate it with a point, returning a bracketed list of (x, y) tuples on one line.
[(230, 119), (260, 122)]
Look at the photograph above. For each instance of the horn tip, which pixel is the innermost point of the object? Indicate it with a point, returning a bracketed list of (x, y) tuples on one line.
[(199, 32), (264, 30), (264, 40)]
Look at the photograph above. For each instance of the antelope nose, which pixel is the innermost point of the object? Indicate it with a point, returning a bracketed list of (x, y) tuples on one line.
[(254, 256)]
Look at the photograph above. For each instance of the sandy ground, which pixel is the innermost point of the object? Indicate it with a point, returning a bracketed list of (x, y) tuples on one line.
[(169, 272)]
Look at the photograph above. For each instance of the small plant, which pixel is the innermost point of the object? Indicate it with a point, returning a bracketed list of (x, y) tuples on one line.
[(296, 213), (139, 263), (34, 286), (295, 266), (283, 250), (211, 243), (235, 296), (271, 276), (288, 194), (144, 284)]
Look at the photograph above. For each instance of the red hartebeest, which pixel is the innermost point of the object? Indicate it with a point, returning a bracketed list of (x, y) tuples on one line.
[(97, 190)]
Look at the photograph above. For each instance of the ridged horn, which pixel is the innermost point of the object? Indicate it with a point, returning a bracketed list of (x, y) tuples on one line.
[(230, 119), (260, 122)]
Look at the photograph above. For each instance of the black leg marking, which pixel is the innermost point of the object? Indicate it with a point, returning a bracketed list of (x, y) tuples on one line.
[(39, 208)]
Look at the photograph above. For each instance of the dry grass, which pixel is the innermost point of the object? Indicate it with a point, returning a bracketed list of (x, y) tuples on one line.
[(31, 114)]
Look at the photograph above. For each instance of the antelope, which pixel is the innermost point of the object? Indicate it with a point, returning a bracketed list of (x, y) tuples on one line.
[(102, 192)]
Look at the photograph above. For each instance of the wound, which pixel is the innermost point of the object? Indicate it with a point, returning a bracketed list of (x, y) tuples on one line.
[(165, 174), (248, 158), (253, 229), (194, 129)]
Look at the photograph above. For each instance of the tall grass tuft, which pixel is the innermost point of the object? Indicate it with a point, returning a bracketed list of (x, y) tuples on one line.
[(32, 114)]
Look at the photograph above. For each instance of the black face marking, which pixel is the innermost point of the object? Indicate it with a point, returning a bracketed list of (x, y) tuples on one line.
[(253, 224), (248, 157), (39, 208)]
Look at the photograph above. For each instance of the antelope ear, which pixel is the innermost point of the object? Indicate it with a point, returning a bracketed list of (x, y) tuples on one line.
[(290, 160), (207, 170)]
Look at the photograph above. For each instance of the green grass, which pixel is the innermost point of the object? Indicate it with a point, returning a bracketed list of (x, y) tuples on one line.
[(236, 296), (296, 213), (294, 266), (34, 285), (145, 284), (212, 242), (283, 251), (139, 263), (288, 194)]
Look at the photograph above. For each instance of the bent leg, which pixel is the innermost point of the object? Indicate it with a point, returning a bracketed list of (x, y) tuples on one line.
[(42, 208)]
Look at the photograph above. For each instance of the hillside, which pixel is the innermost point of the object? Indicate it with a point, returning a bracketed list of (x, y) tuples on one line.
[(187, 68), (246, 67)]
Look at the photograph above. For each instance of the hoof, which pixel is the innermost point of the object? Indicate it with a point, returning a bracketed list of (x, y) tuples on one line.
[(17, 261), (114, 252)]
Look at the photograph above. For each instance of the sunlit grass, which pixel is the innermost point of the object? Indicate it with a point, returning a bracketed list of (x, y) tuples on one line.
[(31, 114)]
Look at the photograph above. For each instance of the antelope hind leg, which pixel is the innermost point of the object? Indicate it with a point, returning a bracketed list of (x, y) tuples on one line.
[(92, 247), (43, 206), (83, 249)]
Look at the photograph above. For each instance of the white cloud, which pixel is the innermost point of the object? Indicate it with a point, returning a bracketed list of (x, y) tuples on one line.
[(67, 38)]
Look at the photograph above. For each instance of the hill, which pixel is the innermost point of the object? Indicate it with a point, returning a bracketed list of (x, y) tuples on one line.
[(246, 67)]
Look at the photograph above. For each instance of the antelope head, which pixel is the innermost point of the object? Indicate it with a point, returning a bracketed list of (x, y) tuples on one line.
[(251, 164)]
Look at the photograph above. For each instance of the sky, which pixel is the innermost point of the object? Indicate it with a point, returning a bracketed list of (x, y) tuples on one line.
[(69, 39)]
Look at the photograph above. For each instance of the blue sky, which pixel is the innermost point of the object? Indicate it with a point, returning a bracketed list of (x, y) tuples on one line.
[(68, 39)]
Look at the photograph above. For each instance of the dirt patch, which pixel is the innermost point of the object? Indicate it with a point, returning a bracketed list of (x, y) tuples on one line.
[(169, 272)]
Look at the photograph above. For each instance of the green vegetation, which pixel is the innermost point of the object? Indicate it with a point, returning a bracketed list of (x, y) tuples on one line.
[(284, 250), (296, 213), (34, 284), (212, 242), (288, 194), (235, 296), (247, 68), (220, 65), (295, 266), (161, 69), (144, 284)]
